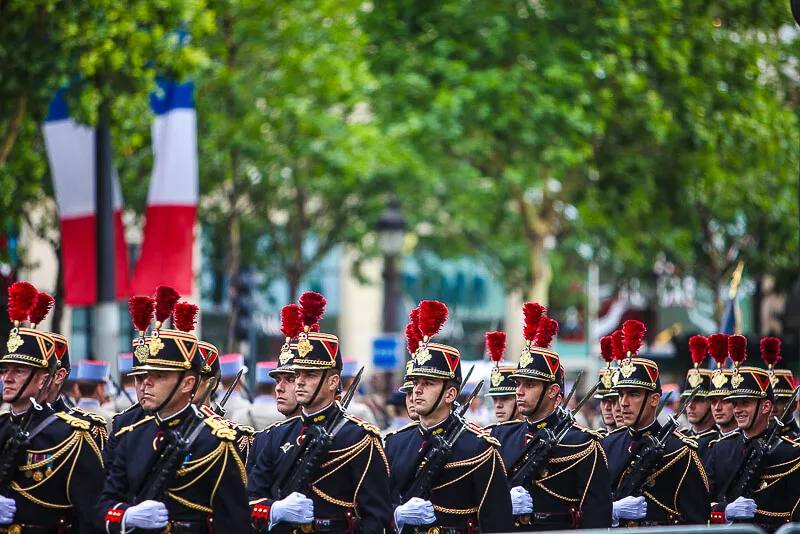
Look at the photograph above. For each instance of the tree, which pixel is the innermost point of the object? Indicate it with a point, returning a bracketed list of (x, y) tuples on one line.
[(292, 161)]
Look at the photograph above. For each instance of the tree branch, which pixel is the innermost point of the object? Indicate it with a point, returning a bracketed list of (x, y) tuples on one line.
[(13, 129)]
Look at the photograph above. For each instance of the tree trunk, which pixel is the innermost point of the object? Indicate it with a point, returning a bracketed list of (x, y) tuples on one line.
[(13, 129), (542, 272), (293, 278), (234, 263)]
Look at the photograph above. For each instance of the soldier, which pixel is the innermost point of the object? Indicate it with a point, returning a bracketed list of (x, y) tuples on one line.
[(572, 488), (43, 495), (607, 396), (351, 484), (264, 410), (772, 498), (677, 491), (92, 377), (698, 411), (782, 386), (237, 405), (209, 488), (471, 493), (501, 386)]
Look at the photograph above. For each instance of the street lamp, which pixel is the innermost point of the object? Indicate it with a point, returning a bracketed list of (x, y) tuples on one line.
[(391, 229)]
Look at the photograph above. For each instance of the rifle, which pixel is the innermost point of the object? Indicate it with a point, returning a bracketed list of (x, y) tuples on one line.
[(120, 390), (220, 409), (18, 438), (175, 446), (537, 451), (741, 485), (648, 455), (297, 472), (438, 453)]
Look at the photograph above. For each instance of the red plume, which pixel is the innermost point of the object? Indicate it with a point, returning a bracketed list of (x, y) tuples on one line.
[(771, 350), (548, 328), (432, 315), (413, 337), (185, 316), (44, 303), (291, 321), (618, 344), (533, 313), (496, 343), (166, 299), (141, 308), (313, 307), (607, 349), (698, 346), (737, 349), (414, 316), (634, 334), (718, 348), (21, 298)]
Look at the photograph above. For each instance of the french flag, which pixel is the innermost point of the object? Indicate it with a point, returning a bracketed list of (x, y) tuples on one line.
[(71, 153), (166, 255)]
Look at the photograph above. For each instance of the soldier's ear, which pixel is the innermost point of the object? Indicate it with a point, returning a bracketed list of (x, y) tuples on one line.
[(655, 398)]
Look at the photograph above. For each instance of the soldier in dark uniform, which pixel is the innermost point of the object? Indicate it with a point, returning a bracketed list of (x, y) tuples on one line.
[(59, 473), (773, 499), (698, 412), (502, 388), (782, 386), (607, 396), (572, 489), (677, 491), (471, 493), (208, 492), (351, 485)]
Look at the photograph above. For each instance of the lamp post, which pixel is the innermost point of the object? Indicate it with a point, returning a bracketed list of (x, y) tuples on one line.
[(391, 228)]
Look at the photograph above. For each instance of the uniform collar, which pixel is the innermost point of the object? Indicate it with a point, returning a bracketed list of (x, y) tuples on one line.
[(36, 415), (59, 405), (548, 422), (173, 420), (320, 416), (436, 429), (652, 428)]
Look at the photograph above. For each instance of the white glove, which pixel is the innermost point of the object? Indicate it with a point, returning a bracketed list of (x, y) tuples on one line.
[(7, 510), (296, 508), (521, 501), (741, 508), (415, 512), (147, 514), (628, 508)]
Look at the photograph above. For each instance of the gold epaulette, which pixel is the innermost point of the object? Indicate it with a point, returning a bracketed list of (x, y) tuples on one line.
[(128, 428), (493, 425), (369, 427), (126, 410), (219, 429), (707, 432), (481, 433), (790, 441), (95, 418), (726, 436), (74, 422), (409, 426), (689, 442), (595, 433), (246, 430)]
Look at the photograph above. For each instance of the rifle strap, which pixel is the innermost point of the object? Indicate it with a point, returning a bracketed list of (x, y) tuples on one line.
[(41, 426)]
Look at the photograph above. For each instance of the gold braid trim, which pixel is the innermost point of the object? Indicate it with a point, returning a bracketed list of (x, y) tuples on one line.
[(368, 442), (773, 514), (470, 461), (190, 504), (554, 494), (206, 463), (591, 475), (664, 506), (455, 511), (475, 467), (240, 466), (72, 450), (700, 468), (680, 483), (777, 477), (489, 484)]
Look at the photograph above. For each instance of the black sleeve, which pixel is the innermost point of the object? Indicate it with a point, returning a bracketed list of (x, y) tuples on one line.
[(596, 502), (231, 510), (709, 464), (693, 498), (490, 486), (370, 474), (111, 503), (259, 481), (85, 483)]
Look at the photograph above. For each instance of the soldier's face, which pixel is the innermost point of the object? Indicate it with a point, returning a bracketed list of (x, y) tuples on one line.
[(504, 407), (636, 401), (779, 407), (138, 382), (617, 410), (410, 407), (697, 410), (158, 386), (285, 395), (14, 378), (750, 412), (535, 398), (607, 410), (721, 411), (306, 382), (426, 394)]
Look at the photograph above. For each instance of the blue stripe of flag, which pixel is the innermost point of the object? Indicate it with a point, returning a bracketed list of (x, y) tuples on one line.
[(58, 108), (172, 95)]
